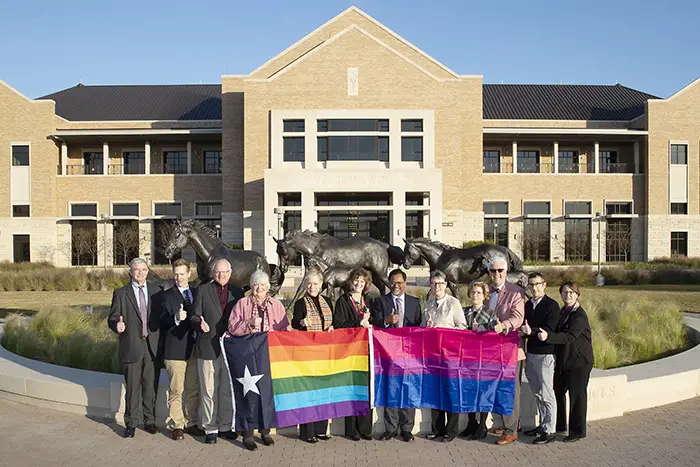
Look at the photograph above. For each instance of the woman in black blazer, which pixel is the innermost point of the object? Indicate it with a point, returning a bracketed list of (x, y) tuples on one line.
[(352, 311), (574, 352)]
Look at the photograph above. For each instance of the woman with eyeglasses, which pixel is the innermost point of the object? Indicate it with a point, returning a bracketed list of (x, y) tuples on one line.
[(574, 362), (442, 311)]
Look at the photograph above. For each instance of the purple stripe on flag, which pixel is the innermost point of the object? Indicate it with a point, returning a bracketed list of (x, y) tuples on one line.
[(321, 412), (437, 367)]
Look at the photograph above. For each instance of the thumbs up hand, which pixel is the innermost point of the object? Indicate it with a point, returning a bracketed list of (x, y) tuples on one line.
[(542, 335), (121, 326), (525, 329), (203, 325), (500, 328), (181, 314), (393, 318)]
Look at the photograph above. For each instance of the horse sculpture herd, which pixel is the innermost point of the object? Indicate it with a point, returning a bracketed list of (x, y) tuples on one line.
[(336, 258)]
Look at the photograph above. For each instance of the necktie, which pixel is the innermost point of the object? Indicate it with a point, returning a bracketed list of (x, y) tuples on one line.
[(186, 295), (399, 311), (144, 313)]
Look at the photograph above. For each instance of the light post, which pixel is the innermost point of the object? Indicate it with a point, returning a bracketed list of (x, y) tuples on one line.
[(218, 231), (495, 232), (599, 280), (105, 219), (280, 214)]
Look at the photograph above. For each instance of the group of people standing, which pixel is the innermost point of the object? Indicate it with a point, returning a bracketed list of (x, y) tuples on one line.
[(180, 328)]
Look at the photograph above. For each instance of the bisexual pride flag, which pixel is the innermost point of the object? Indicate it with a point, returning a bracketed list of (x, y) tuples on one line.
[(447, 369), (319, 375)]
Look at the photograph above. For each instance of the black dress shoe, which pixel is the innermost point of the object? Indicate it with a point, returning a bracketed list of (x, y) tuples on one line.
[(447, 438), (535, 431), (129, 432), (211, 438), (313, 440), (150, 428), (367, 437), (544, 438), (572, 438), (250, 445), (480, 433), (432, 435), (267, 440), (355, 437), (230, 434), (406, 436), (323, 437), (194, 430), (386, 436), (178, 434), (469, 430)]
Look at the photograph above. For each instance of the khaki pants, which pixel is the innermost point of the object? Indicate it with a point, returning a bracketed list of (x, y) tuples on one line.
[(217, 402), (184, 387)]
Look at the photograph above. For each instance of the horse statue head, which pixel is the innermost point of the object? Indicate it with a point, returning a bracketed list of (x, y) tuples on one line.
[(178, 239), (284, 253), (411, 253)]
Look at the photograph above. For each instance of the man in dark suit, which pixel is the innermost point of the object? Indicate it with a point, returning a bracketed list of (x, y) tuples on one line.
[(212, 308), (137, 322), (178, 305), (396, 310)]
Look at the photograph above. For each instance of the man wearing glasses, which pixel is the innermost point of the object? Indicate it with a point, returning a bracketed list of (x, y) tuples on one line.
[(541, 313), (212, 308), (509, 302)]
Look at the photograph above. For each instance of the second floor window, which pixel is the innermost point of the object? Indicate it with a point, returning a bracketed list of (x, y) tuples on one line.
[(175, 162), (92, 163), (568, 162), (528, 161), (353, 148), (20, 155), (412, 149), (293, 149), (679, 154), (212, 162), (492, 162), (134, 162)]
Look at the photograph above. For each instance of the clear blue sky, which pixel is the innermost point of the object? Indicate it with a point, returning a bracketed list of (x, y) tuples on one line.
[(650, 45)]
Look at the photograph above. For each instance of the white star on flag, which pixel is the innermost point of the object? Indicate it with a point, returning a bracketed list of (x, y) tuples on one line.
[(249, 382)]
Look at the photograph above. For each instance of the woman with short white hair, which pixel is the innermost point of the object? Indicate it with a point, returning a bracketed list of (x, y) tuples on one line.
[(258, 312)]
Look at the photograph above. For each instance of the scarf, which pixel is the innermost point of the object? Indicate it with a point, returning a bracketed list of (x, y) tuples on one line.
[(314, 320)]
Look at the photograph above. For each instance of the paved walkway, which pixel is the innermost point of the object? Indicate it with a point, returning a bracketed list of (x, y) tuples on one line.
[(31, 436)]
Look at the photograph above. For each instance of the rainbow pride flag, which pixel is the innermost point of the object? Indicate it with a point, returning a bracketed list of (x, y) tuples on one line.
[(446, 369), (319, 375)]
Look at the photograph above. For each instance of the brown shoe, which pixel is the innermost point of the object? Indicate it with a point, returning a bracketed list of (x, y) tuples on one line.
[(178, 434), (496, 431), (506, 439)]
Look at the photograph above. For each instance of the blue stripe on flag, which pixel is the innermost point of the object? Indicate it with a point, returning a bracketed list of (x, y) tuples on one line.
[(299, 400)]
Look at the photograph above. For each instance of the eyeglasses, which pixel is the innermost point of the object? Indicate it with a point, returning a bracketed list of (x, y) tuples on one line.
[(532, 284), (439, 283), (494, 271)]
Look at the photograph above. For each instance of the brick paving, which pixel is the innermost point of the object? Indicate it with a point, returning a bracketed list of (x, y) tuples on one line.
[(33, 436)]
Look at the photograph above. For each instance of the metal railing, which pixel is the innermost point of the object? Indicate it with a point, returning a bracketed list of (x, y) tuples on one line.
[(614, 168), (80, 169), (168, 169), (491, 167)]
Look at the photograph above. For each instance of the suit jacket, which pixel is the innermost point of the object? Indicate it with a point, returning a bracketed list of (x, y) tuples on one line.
[(510, 310), (206, 304), (544, 316), (179, 339), (124, 305), (382, 307), (572, 337), (344, 314)]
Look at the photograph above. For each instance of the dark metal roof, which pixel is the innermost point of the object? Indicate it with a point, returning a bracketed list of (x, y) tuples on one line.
[(168, 102), (563, 102)]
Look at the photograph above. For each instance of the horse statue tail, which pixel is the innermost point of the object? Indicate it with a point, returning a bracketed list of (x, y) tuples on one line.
[(396, 255)]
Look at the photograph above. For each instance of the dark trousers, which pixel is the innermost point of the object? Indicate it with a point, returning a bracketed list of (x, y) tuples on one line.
[(399, 419), (437, 420), (313, 429), (359, 425), (575, 381), (140, 378), (482, 418), (248, 434)]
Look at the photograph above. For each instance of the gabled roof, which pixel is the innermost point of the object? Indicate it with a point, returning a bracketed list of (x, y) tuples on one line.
[(563, 102), (166, 102)]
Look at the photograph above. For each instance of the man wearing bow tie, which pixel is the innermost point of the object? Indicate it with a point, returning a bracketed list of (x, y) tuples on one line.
[(179, 363), (509, 302)]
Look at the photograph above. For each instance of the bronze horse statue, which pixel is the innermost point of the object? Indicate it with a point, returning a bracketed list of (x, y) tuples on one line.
[(462, 265), (342, 254), (210, 248)]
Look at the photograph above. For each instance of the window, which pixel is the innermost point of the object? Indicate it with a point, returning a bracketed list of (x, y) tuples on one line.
[(20, 210), (84, 247), (125, 210), (293, 149), (167, 209), (679, 243), (134, 162), (289, 199), (208, 209), (535, 239), (577, 240), (126, 241), (343, 124), (92, 163), (20, 155), (568, 162), (417, 198), (616, 207), (609, 162), (577, 208), (536, 208), (412, 149), (175, 162), (528, 161), (492, 162), (348, 224), (618, 240), (353, 199), (496, 231), (83, 210), (293, 126), (679, 208), (495, 207), (679, 154), (212, 162), (412, 125), (21, 249), (353, 148)]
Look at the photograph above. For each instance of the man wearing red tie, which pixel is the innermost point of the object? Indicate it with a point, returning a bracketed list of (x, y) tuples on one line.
[(509, 302), (137, 323)]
